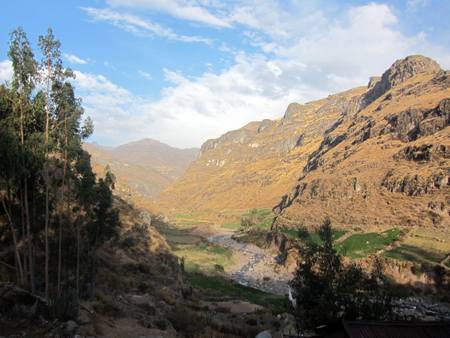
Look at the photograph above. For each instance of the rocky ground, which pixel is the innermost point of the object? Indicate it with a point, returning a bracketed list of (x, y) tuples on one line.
[(255, 267), (253, 264)]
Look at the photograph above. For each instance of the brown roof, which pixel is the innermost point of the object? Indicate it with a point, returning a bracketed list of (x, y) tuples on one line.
[(397, 329)]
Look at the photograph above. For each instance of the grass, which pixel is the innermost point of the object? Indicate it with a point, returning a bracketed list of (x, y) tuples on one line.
[(361, 245), (202, 256), (314, 236), (252, 295), (262, 213), (183, 216), (177, 236), (232, 225), (410, 253), (190, 223), (428, 238), (267, 223), (214, 249)]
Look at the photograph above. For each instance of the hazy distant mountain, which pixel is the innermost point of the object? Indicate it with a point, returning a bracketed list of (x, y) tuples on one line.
[(143, 168), (170, 162), (374, 155)]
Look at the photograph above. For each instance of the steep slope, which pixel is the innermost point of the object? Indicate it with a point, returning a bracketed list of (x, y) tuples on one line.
[(390, 163), (257, 164), (370, 155)]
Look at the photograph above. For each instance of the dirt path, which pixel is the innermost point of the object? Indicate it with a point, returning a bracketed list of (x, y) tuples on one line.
[(254, 267)]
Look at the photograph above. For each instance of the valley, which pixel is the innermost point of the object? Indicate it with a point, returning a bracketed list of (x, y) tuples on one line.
[(374, 160), (207, 241)]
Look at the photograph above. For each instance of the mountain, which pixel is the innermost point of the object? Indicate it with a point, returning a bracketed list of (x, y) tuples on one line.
[(143, 168), (170, 162), (377, 154)]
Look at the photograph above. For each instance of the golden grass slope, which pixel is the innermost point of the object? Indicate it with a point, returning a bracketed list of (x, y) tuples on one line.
[(257, 164), (387, 166)]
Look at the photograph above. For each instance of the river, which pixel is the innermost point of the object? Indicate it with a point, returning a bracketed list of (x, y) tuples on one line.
[(254, 267)]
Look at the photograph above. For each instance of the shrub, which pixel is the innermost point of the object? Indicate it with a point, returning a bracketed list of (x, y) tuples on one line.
[(219, 267), (128, 242), (276, 325), (416, 269), (223, 309), (251, 322)]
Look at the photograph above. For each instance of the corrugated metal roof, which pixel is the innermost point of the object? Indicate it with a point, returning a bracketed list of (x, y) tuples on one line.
[(397, 329)]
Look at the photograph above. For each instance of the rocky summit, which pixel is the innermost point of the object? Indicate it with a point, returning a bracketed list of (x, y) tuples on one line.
[(372, 155)]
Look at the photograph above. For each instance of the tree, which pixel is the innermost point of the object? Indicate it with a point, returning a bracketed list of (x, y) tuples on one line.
[(252, 220), (23, 83), (61, 106), (326, 289)]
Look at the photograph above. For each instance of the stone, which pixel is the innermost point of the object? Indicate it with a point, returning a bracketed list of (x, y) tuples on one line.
[(69, 328)]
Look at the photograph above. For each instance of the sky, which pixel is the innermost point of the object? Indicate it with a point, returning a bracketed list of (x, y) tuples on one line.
[(185, 71)]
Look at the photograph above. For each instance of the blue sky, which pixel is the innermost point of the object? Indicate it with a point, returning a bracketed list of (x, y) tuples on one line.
[(184, 71)]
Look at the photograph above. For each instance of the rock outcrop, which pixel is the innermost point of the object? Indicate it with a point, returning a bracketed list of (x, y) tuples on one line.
[(376, 155)]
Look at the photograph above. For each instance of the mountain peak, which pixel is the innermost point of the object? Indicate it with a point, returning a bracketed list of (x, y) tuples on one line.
[(399, 72)]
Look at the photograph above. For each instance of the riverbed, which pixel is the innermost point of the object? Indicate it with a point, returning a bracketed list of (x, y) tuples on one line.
[(254, 266)]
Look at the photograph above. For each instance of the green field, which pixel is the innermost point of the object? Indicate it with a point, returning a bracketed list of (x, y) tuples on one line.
[(361, 245), (183, 216), (250, 294), (267, 223), (409, 253), (177, 236), (202, 256), (232, 225), (190, 223), (313, 235)]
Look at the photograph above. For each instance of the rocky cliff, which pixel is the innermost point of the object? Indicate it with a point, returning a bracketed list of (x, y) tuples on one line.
[(371, 155), (256, 165), (389, 163)]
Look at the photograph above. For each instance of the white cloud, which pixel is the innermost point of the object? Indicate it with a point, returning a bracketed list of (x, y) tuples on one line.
[(138, 26), (311, 56), (73, 59), (192, 111), (6, 71), (362, 44), (146, 75), (182, 9), (415, 5)]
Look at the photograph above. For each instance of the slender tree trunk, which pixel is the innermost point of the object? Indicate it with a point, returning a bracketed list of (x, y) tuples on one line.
[(47, 181), (24, 239), (26, 208), (16, 248), (61, 222)]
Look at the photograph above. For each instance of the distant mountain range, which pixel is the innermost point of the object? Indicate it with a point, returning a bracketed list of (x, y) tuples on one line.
[(143, 168), (372, 155)]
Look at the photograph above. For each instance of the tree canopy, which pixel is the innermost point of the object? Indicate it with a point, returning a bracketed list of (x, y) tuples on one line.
[(325, 288)]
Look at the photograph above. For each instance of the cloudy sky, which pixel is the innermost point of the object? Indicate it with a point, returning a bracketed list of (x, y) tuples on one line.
[(184, 71)]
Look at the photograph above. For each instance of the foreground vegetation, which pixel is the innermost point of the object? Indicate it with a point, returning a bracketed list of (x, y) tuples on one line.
[(325, 289), (54, 213)]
